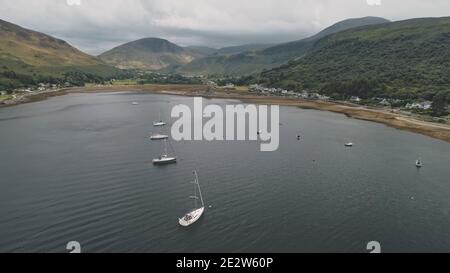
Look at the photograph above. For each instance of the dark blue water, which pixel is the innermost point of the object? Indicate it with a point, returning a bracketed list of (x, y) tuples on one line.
[(78, 167)]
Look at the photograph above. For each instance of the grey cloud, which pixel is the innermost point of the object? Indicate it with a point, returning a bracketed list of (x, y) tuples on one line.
[(98, 25)]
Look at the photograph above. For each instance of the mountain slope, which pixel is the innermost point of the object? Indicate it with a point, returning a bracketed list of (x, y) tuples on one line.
[(232, 50), (401, 59), (202, 50), (297, 49), (33, 55), (149, 54), (251, 62)]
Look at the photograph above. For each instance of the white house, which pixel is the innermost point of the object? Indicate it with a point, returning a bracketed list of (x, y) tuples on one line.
[(355, 99), (427, 105), (385, 102), (323, 97)]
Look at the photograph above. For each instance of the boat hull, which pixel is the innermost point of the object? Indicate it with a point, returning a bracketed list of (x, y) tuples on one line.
[(159, 137), (191, 217), (164, 161)]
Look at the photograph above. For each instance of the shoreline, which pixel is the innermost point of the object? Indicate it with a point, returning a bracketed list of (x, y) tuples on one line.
[(395, 120)]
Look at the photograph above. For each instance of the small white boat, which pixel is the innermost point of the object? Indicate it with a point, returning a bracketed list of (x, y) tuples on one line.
[(419, 163), (349, 144), (164, 159), (135, 103), (158, 137), (196, 213), (159, 124)]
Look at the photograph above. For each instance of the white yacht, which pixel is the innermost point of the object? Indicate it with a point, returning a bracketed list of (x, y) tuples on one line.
[(419, 163), (164, 158), (349, 144), (159, 137), (193, 216), (160, 122)]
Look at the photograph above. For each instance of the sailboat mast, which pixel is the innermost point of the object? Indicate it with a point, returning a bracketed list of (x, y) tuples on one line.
[(199, 191), (195, 196)]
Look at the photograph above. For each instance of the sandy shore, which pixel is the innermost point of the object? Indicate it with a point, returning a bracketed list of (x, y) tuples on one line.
[(403, 122)]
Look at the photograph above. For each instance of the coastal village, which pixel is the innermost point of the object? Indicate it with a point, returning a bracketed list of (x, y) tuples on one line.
[(304, 94), (395, 105), (22, 95), (416, 108)]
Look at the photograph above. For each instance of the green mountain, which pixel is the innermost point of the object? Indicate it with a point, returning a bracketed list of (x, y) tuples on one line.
[(405, 59), (232, 50), (296, 49), (249, 62), (202, 50), (150, 54), (27, 56)]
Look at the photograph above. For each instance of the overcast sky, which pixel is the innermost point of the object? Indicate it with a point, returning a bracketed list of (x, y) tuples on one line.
[(97, 25)]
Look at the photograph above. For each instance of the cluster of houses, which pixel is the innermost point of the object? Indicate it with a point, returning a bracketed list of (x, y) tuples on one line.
[(426, 105), (211, 84), (229, 86), (380, 101), (40, 88), (286, 93)]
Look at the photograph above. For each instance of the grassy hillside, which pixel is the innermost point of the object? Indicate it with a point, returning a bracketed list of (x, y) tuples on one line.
[(202, 50), (149, 54), (406, 59), (255, 61), (27, 56), (232, 50)]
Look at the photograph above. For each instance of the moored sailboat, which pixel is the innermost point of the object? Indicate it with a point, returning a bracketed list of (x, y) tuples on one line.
[(164, 158), (193, 216), (158, 137), (159, 123), (419, 163)]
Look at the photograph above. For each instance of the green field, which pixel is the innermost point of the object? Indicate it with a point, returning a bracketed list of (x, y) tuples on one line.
[(5, 97), (125, 82)]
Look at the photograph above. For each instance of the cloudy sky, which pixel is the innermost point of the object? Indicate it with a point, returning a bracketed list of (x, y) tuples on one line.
[(97, 25)]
